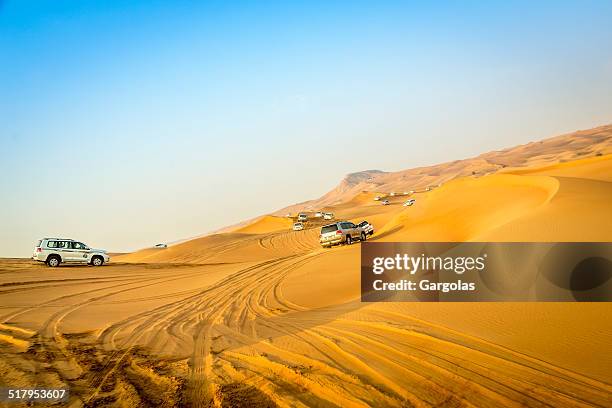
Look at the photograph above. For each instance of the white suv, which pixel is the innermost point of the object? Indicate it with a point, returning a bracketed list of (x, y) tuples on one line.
[(54, 251)]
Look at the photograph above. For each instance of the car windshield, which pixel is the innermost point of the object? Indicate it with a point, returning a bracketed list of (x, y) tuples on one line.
[(363, 223), (329, 228)]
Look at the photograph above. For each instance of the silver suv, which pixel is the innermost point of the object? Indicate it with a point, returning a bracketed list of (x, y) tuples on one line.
[(367, 227), (341, 232), (54, 251)]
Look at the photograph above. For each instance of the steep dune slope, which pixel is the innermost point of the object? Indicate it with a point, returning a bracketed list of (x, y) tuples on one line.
[(464, 208), (581, 210), (561, 202)]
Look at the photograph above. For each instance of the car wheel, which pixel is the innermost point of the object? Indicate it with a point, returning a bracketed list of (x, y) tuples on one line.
[(363, 236), (349, 241), (53, 261), (97, 261)]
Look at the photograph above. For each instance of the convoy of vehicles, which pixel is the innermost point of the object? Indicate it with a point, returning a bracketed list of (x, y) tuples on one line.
[(54, 251), (405, 193)]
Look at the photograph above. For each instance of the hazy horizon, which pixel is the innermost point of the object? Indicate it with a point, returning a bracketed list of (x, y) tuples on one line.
[(128, 125)]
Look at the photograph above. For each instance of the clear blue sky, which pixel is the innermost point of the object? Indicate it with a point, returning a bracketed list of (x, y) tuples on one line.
[(124, 124)]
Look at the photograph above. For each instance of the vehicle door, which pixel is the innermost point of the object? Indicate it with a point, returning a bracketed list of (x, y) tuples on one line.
[(54, 246), (80, 251), (69, 253), (63, 248), (355, 231), (346, 228)]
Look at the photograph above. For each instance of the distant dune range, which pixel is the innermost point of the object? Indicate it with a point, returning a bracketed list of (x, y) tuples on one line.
[(263, 316), (572, 146)]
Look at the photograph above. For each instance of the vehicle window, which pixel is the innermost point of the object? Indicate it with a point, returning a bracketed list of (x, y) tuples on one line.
[(329, 228), (345, 225), (352, 225), (363, 223), (57, 244), (78, 245)]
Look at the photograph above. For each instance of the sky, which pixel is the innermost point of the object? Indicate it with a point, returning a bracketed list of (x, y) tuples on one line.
[(125, 124)]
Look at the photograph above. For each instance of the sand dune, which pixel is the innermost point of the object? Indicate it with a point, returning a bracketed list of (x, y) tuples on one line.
[(262, 316), (558, 149), (265, 224)]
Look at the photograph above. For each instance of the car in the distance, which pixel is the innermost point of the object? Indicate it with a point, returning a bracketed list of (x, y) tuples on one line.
[(54, 251), (298, 226), (366, 227), (161, 246), (385, 202), (328, 216), (318, 214), (409, 202), (341, 232), (302, 217)]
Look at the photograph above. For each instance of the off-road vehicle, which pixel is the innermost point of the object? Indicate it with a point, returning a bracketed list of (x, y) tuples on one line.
[(341, 232), (54, 251)]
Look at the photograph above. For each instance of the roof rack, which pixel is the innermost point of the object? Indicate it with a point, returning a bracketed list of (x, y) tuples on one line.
[(63, 239)]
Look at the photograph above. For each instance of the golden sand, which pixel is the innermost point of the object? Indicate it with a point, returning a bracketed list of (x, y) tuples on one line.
[(264, 316)]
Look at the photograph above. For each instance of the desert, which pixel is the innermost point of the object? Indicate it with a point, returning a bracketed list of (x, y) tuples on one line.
[(259, 315)]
